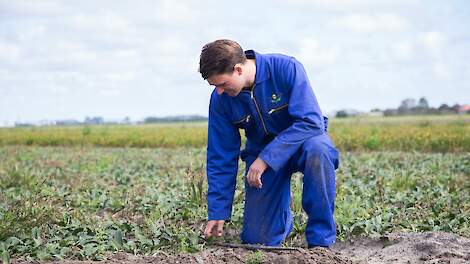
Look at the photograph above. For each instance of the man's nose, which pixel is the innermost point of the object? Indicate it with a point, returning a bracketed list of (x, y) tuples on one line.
[(219, 90)]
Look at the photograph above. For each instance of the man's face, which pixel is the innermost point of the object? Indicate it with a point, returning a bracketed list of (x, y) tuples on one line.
[(229, 83)]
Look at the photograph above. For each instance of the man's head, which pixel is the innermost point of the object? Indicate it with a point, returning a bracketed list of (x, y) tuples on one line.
[(222, 64)]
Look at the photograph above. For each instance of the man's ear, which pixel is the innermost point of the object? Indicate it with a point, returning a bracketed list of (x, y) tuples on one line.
[(238, 68)]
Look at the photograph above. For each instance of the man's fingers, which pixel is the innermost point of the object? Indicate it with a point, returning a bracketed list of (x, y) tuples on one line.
[(259, 184), (254, 178), (249, 177), (220, 228)]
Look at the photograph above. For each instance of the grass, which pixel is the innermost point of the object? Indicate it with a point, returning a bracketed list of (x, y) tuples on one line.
[(86, 202)]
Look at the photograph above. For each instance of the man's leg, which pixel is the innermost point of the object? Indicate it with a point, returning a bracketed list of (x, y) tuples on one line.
[(267, 216), (318, 159)]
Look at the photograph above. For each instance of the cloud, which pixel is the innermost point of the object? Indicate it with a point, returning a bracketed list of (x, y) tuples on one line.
[(351, 5), (441, 71), (177, 12), (110, 92), (107, 22), (31, 8), (9, 52), (434, 42), (368, 23), (402, 50), (311, 52)]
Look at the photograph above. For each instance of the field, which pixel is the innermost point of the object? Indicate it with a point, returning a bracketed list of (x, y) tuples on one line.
[(86, 192), (409, 133)]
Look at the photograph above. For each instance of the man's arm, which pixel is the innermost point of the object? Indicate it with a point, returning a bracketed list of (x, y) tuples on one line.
[(223, 150), (305, 111)]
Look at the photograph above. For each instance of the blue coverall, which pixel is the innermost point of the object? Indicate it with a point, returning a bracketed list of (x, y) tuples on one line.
[(284, 126)]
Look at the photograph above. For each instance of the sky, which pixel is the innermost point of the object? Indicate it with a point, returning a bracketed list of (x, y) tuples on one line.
[(117, 59)]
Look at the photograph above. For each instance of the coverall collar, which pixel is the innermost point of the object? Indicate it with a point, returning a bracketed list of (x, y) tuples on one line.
[(262, 69)]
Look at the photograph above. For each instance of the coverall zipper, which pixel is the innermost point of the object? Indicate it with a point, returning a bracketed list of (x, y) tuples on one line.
[(277, 108), (246, 118), (257, 109)]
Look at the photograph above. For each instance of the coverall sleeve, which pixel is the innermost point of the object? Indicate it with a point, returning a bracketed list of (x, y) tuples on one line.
[(223, 150), (307, 118)]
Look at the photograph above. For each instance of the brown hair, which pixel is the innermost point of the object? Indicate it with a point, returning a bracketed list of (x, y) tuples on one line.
[(220, 57)]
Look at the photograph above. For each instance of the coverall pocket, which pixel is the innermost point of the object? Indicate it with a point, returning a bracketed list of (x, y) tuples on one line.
[(280, 118), (243, 122)]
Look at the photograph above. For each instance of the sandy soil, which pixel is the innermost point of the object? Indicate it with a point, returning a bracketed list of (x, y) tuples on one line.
[(429, 247)]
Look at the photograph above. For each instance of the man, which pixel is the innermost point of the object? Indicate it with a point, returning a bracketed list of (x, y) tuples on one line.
[(269, 96)]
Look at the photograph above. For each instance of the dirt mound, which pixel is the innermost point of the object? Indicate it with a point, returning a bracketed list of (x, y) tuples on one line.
[(225, 255), (428, 247)]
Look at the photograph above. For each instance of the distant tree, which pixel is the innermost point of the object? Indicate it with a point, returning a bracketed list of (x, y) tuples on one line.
[(390, 112), (444, 107), (423, 103), (408, 103), (406, 106), (126, 120), (455, 108), (97, 120), (341, 113), (151, 119)]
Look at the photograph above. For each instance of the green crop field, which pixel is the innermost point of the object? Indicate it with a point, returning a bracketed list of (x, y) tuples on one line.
[(64, 195), (409, 133)]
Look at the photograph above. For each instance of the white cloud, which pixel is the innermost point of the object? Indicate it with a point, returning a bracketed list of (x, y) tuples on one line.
[(110, 92), (366, 23), (69, 46), (434, 41), (9, 52), (120, 76), (349, 5), (311, 52), (87, 57), (402, 50), (125, 54), (31, 8), (174, 12), (441, 71), (32, 33), (107, 22)]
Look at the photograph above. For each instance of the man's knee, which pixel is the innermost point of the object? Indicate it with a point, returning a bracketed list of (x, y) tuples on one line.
[(318, 150), (315, 146)]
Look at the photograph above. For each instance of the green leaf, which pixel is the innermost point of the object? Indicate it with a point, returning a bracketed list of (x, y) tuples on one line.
[(13, 241), (117, 236), (5, 257)]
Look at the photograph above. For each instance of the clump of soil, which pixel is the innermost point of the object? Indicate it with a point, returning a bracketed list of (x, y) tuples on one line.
[(429, 247)]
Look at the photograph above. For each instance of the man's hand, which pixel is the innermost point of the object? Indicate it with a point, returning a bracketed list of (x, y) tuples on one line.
[(214, 227), (254, 173)]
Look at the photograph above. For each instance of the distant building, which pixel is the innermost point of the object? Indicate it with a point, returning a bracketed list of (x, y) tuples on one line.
[(464, 109)]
